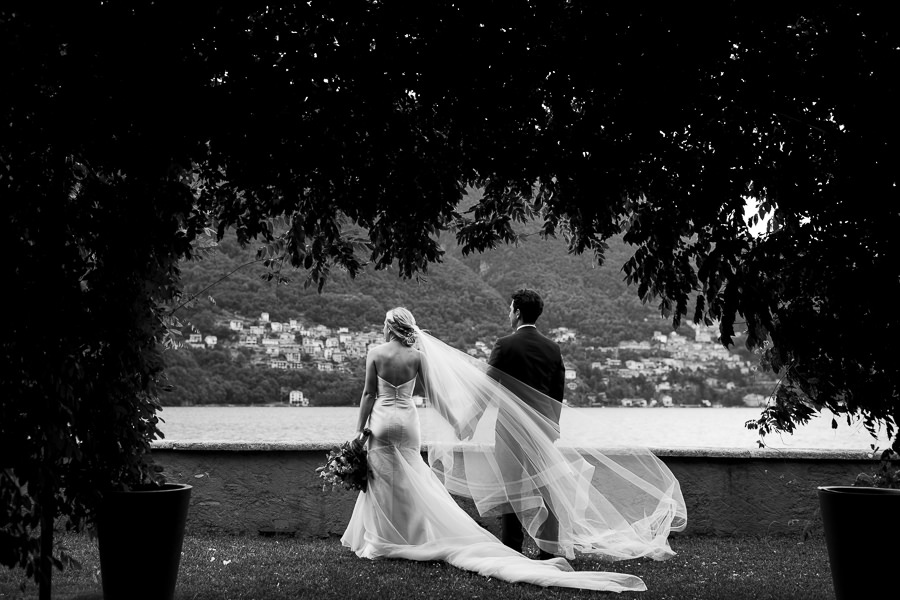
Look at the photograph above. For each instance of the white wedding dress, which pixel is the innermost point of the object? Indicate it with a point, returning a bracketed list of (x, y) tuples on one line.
[(408, 513)]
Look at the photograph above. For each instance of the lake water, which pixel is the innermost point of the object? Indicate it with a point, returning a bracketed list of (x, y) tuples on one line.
[(610, 427)]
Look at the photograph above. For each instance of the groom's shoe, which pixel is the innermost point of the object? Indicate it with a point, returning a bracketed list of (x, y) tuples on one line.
[(544, 555)]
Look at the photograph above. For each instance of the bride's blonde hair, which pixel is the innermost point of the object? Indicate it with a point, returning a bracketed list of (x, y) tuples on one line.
[(402, 324)]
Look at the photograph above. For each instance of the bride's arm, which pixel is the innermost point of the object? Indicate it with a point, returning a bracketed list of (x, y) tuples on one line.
[(420, 389), (367, 400)]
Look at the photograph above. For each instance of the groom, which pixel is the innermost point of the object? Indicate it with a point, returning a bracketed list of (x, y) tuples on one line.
[(529, 357)]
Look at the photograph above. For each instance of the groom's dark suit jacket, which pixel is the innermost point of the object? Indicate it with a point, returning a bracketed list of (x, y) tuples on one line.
[(531, 358)]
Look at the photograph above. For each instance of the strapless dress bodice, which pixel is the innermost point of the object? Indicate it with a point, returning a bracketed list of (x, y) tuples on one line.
[(390, 393)]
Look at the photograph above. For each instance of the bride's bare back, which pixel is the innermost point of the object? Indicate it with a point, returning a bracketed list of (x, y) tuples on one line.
[(394, 362)]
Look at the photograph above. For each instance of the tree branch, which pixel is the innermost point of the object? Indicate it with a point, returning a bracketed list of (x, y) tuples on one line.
[(215, 283)]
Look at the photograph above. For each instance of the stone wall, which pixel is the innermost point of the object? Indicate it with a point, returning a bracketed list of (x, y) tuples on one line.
[(268, 488)]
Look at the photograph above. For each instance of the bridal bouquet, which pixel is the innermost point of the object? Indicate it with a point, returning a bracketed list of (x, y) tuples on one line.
[(346, 466)]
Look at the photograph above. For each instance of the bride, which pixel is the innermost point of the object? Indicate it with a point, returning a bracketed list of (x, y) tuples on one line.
[(618, 504)]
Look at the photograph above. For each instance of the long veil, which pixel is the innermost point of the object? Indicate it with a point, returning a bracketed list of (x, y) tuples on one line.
[(501, 447)]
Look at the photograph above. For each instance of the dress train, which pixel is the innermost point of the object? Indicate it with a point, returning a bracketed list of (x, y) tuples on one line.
[(408, 513)]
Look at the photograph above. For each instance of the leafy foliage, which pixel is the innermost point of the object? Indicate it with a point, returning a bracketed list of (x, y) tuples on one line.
[(130, 128), (84, 351), (886, 475), (98, 211), (681, 114)]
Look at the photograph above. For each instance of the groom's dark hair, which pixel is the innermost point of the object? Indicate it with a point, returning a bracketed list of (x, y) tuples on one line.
[(528, 303)]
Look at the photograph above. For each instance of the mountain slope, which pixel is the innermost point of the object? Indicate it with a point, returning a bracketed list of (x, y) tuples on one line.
[(460, 300)]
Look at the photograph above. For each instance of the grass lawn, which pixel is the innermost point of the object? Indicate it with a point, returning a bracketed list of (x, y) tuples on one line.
[(245, 567)]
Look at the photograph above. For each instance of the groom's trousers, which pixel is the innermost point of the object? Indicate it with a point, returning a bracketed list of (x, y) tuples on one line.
[(512, 535), (514, 468)]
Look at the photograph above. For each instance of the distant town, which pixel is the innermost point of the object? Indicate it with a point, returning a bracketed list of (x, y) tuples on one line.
[(658, 364)]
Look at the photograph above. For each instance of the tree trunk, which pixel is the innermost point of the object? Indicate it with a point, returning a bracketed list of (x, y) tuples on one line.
[(46, 564)]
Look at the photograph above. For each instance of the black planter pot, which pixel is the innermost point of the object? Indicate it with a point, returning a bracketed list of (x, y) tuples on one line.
[(861, 529), (139, 535)]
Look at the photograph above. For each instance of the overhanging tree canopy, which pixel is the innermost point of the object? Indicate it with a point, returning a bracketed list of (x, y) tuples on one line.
[(361, 123), (658, 123)]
